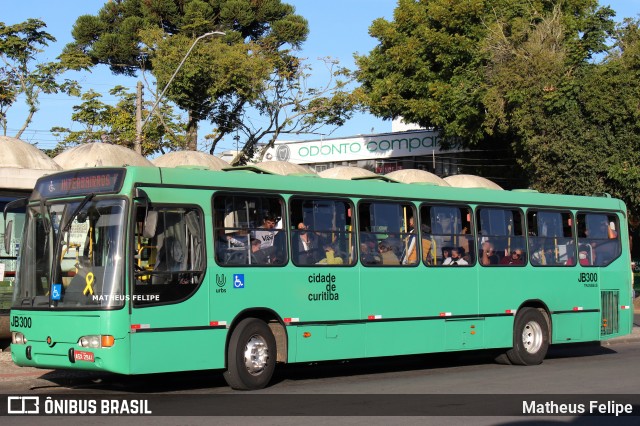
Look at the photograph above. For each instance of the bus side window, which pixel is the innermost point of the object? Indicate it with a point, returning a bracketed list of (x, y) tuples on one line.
[(551, 240), (501, 240), (387, 234), (249, 230), (171, 260), (446, 229), (321, 232)]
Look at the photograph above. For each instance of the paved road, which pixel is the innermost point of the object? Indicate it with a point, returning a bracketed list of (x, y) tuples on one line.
[(404, 385)]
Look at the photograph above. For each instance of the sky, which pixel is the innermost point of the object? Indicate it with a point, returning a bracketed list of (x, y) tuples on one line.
[(338, 29)]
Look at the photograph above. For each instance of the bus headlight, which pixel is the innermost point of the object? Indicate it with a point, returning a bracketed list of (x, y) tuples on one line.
[(96, 341), (18, 338)]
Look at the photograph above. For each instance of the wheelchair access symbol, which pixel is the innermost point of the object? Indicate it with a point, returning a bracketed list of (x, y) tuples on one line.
[(56, 292), (238, 280)]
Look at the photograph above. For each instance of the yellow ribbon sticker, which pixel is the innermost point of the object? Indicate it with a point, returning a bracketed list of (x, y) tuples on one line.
[(89, 287)]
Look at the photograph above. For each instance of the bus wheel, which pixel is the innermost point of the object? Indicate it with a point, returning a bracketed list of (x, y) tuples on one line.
[(251, 357), (530, 338)]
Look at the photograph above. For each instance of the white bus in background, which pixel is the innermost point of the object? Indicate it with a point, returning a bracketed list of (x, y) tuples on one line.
[(15, 184)]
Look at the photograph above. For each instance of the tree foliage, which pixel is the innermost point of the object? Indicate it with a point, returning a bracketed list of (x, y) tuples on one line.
[(102, 122), (537, 77), (286, 104), (221, 75), (21, 75)]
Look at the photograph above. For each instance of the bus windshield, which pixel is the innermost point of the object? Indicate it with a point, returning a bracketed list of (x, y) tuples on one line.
[(72, 256)]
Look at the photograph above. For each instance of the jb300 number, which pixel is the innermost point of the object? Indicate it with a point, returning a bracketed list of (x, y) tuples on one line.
[(22, 322)]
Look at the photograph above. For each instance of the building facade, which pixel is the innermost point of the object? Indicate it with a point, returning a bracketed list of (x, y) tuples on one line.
[(381, 153)]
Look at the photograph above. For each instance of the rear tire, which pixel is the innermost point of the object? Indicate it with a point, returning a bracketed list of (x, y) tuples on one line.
[(251, 356), (530, 338)]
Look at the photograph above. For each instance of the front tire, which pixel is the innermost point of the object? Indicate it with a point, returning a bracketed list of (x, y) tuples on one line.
[(251, 355), (530, 338)]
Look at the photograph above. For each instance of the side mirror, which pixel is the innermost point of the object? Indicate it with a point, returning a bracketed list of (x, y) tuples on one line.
[(20, 203), (150, 216)]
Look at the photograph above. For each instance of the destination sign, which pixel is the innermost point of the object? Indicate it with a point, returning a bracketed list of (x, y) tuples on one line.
[(79, 182)]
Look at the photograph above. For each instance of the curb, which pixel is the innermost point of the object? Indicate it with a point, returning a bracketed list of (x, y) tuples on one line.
[(633, 337)]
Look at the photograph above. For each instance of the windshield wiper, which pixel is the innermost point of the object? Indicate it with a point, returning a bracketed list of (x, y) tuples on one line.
[(76, 212)]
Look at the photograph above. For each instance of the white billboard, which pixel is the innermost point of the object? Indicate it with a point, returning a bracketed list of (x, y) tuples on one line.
[(380, 146)]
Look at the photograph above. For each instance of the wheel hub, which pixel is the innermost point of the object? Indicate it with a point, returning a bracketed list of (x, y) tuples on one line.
[(532, 337), (256, 355)]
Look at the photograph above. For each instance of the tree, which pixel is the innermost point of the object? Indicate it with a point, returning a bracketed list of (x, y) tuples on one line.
[(431, 63), (19, 46), (537, 77), (114, 124), (219, 75), (574, 122), (286, 104), (609, 97)]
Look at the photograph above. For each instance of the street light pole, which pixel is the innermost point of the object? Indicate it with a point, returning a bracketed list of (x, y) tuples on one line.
[(153, 108)]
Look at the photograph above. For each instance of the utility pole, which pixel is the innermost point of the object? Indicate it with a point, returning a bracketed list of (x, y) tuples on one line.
[(159, 98), (138, 143)]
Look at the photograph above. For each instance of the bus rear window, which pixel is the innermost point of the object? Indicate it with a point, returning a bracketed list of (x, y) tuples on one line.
[(598, 238)]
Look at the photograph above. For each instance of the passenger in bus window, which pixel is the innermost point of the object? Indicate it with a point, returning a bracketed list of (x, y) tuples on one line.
[(273, 250), (537, 253), (446, 253), (455, 259), (331, 258), (409, 254), (464, 241), (368, 256), (230, 246), (307, 246), (489, 256), (228, 239), (583, 257), (600, 239), (387, 254), (410, 249), (427, 244), (514, 259), (395, 244), (258, 256), (265, 232)]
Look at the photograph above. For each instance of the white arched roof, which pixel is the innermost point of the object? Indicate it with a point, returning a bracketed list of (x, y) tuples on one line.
[(284, 168), (345, 172), (416, 176), (22, 164), (16, 153), (190, 158), (471, 181), (100, 154)]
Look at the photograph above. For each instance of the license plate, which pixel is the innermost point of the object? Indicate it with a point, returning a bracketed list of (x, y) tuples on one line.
[(84, 356)]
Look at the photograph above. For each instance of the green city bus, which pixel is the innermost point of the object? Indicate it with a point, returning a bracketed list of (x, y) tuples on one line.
[(141, 270)]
